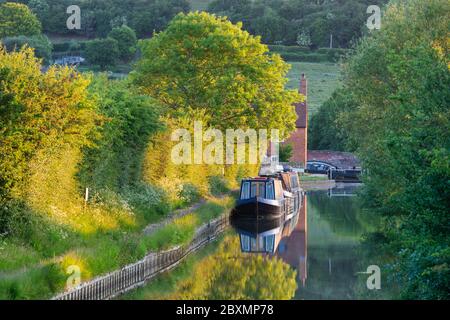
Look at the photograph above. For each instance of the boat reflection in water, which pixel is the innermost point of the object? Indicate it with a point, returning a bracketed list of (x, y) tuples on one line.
[(285, 237), (321, 241)]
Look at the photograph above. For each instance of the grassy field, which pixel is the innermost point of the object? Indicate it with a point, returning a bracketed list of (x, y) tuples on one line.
[(323, 79), (199, 4)]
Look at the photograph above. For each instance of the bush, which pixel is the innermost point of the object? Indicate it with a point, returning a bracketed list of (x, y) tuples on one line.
[(286, 49), (41, 45), (189, 193), (300, 57), (102, 52), (17, 19), (126, 40), (217, 185)]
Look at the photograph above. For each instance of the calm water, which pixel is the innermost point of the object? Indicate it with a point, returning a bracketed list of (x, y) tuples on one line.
[(322, 244), (319, 256)]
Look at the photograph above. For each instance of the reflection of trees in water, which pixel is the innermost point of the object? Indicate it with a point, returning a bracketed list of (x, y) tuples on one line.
[(230, 274), (343, 214), (331, 273), (336, 226)]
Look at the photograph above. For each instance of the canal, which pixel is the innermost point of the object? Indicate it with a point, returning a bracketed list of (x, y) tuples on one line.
[(316, 254)]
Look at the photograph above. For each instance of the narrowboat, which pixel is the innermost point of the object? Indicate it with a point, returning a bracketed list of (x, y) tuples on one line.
[(269, 197), (262, 235)]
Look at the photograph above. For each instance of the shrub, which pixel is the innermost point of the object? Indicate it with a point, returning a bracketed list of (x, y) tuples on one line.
[(126, 41), (102, 52), (17, 19), (217, 185), (189, 193), (40, 43)]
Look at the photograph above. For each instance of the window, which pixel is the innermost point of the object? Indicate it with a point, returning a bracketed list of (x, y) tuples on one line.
[(270, 192), (262, 191), (257, 189), (245, 192), (245, 243), (294, 182), (278, 189), (269, 243)]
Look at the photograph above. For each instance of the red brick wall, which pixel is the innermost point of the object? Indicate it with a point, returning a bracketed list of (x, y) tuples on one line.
[(299, 142), (299, 138)]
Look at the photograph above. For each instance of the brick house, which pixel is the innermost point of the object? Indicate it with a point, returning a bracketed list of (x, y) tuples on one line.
[(299, 138)]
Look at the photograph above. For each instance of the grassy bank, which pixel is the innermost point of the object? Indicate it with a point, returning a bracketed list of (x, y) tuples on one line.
[(199, 5), (43, 277), (166, 284), (323, 79)]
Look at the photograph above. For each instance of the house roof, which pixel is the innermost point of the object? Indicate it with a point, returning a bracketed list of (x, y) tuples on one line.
[(341, 160)]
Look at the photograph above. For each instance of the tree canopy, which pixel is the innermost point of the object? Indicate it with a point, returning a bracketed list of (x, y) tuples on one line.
[(126, 41), (399, 122), (17, 19), (206, 64), (102, 52), (99, 17), (283, 22), (37, 110)]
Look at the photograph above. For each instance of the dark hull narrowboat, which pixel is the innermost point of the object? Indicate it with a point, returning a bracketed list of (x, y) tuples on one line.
[(269, 197), (257, 206), (261, 234)]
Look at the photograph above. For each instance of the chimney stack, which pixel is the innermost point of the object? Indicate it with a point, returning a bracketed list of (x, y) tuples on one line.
[(303, 86)]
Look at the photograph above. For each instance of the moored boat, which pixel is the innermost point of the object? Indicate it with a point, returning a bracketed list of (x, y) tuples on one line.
[(269, 197)]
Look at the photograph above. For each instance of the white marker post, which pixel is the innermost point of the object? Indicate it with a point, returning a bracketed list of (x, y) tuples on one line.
[(86, 198)]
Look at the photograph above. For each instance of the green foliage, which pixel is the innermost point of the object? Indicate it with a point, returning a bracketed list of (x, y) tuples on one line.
[(304, 39), (57, 98), (102, 52), (218, 185), (155, 15), (400, 124), (229, 274), (126, 40), (326, 131), (297, 54), (113, 161), (41, 45), (310, 21), (40, 8), (203, 65), (99, 17), (16, 19), (285, 152), (189, 193)]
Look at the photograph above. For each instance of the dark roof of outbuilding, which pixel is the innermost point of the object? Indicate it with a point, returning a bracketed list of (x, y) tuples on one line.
[(341, 160)]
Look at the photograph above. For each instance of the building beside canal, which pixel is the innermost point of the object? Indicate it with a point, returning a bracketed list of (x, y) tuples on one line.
[(301, 156), (299, 138)]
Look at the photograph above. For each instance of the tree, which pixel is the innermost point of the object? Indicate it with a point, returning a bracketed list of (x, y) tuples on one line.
[(155, 15), (114, 160), (126, 41), (40, 8), (37, 110), (102, 52), (41, 45), (202, 64), (326, 131), (285, 152), (303, 39), (399, 77), (17, 19)]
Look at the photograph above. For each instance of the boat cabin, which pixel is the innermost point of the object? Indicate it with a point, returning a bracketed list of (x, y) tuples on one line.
[(266, 188)]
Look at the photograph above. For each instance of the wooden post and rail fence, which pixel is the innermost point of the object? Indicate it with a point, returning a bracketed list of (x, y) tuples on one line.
[(137, 274)]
